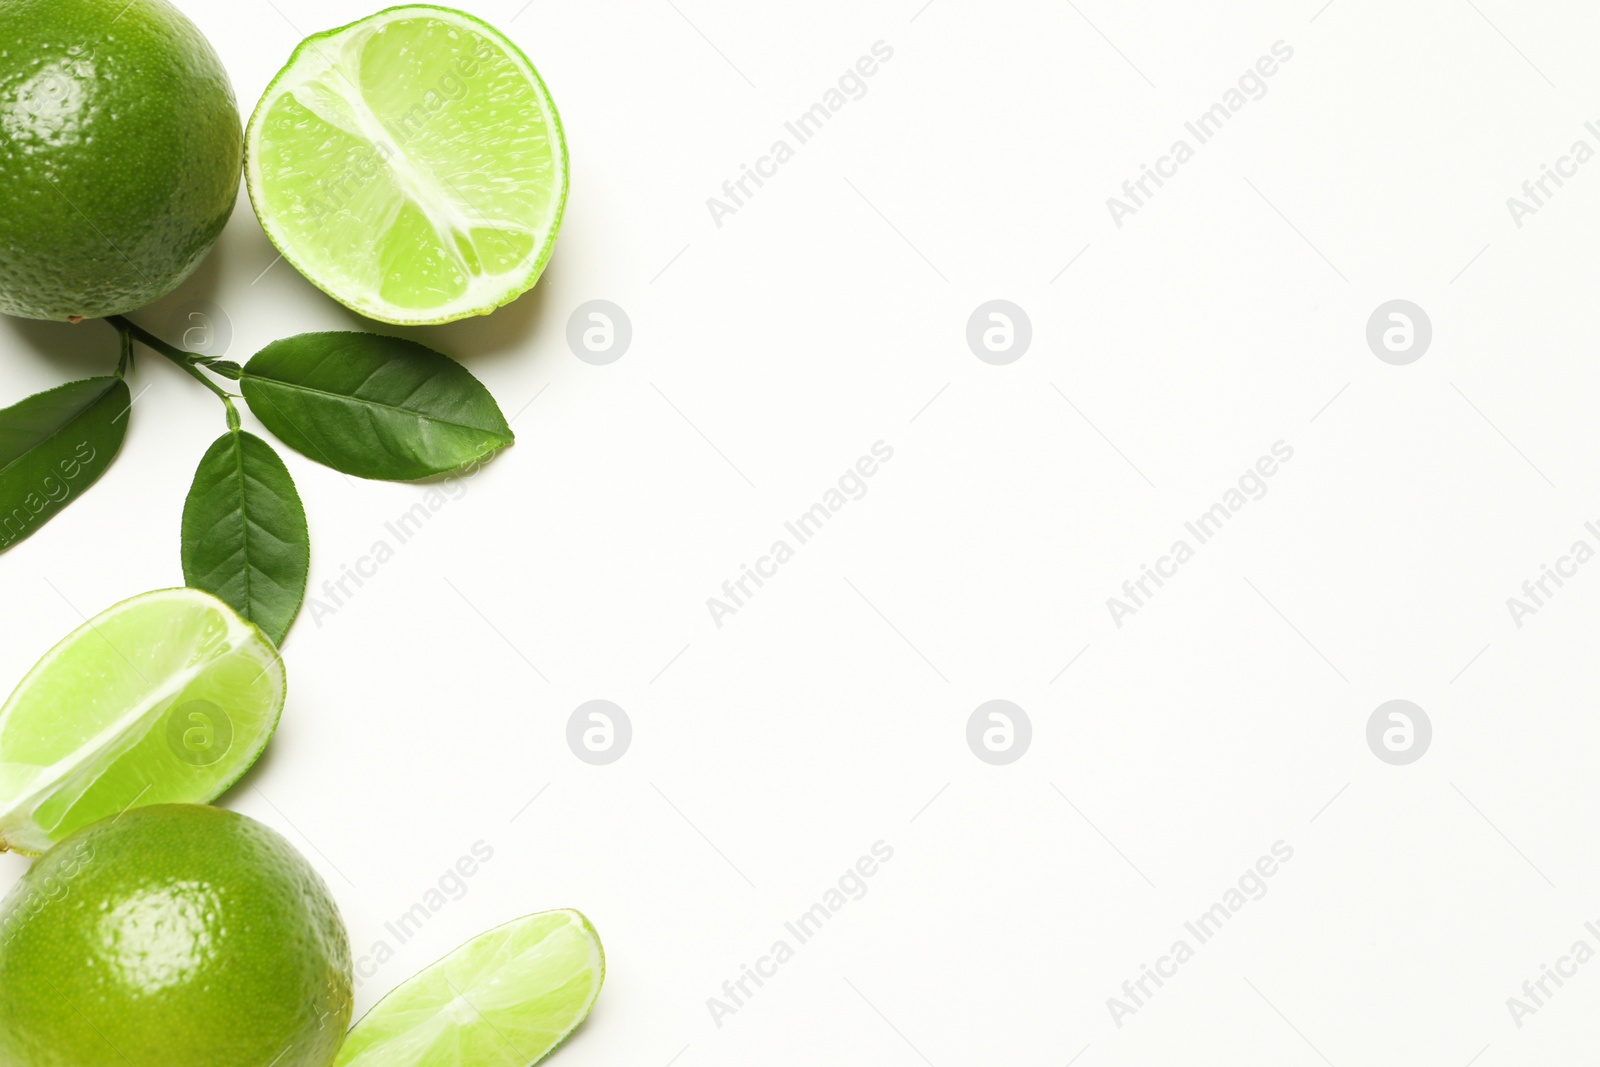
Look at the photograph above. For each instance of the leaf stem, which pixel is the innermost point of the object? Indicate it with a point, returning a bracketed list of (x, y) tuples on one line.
[(194, 372), (125, 361), (189, 361)]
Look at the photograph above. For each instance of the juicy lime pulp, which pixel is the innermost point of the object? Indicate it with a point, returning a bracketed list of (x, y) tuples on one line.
[(167, 697), (411, 165), (504, 999), (120, 146), (178, 935)]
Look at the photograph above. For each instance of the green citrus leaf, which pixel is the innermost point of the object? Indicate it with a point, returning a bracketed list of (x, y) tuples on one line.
[(373, 406), (244, 533), (53, 446)]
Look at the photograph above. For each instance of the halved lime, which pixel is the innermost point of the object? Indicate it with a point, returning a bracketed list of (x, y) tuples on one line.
[(165, 698), (411, 165), (504, 999)]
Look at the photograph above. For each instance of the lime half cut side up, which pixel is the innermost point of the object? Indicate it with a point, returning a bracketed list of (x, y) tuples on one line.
[(165, 698), (504, 999), (411, 165)]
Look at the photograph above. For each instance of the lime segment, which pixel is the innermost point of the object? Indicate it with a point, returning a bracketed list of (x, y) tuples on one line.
[(504, 999), (165, 698), (411, 165)]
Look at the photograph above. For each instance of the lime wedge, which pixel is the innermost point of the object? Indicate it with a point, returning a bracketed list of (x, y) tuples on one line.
[(504, 999), (165, 698), (411, 165)]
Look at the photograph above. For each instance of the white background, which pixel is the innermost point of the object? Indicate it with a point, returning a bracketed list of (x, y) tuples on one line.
[(829, 713)]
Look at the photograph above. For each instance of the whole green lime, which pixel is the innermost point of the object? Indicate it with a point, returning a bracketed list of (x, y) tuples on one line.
[(178, 936), (120, 154)]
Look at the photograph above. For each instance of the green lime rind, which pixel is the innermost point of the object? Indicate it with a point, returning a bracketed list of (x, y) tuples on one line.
[(180, 935), (338, 180), (507, 998), (167, 697), (120, 148)]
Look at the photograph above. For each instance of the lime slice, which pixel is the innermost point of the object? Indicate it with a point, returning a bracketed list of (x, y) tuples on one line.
[(504, 999), (411, 165), (165, 698)]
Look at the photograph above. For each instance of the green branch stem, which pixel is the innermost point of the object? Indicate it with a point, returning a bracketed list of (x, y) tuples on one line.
[(189, 361), (125, 360)]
